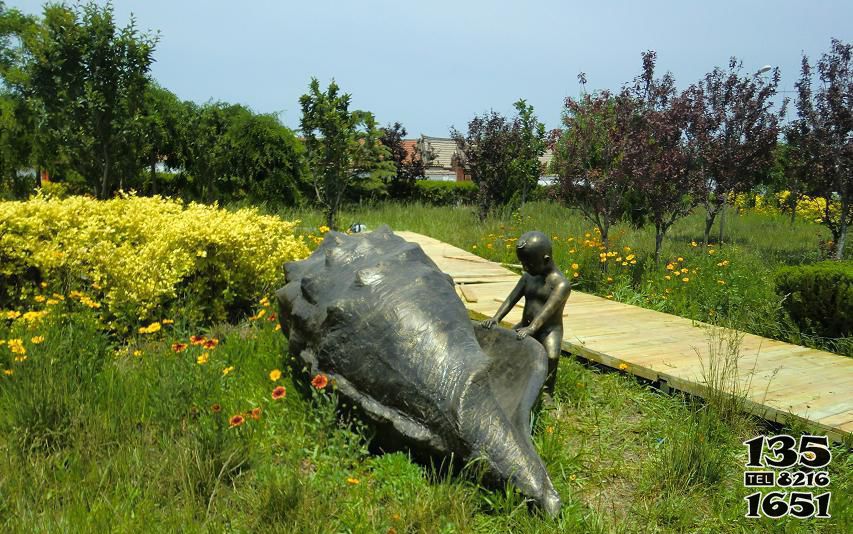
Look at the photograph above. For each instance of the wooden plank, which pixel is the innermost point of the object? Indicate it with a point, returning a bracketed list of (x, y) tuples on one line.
[(468, 293)]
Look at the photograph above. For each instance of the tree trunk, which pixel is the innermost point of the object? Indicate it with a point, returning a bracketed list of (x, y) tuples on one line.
[(710, 215), (722, 221), (659, 232), (154, 175), (842, 229), (105, 177)]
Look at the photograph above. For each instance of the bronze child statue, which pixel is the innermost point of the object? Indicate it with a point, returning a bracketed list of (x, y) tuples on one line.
[(545, 291)]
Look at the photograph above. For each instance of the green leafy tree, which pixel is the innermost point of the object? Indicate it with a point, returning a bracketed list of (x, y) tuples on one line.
[(267, 158), (86, 78), (525, 167), (161, 131), (343, 147)]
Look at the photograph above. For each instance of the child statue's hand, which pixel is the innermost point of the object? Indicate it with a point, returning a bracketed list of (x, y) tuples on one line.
[(488, 323), (522, 333)]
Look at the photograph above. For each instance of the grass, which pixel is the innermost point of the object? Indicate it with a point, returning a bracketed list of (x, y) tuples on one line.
[(104, 433)]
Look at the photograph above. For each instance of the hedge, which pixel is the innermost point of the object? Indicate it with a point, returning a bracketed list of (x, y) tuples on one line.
[(819, 297)]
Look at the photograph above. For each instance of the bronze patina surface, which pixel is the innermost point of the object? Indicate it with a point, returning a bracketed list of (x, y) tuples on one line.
[(374, 313)]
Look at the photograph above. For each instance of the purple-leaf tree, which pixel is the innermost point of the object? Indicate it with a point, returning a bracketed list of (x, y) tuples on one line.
[(824, 138), (656, 156), (733, 131), (587, 160)]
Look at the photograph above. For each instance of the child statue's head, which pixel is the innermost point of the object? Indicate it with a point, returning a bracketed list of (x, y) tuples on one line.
[(534, 252)]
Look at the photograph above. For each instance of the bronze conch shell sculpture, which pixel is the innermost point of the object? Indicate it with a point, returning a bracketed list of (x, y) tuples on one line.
[(375, 314)]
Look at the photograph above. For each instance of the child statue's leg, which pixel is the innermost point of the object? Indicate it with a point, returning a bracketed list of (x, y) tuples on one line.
[(551, 342)]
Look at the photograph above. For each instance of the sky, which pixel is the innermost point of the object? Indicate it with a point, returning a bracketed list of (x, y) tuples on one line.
[(433, 65)]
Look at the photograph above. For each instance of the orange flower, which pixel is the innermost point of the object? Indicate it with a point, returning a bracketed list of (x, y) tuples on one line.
[(197, 340), (210, 343), (320, 381), (353, 481), (255, 413), (279, 392), (236, 420), (179, 347), (216, 408)]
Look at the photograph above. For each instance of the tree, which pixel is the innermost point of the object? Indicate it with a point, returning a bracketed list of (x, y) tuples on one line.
[(588, 160), (161, 131), (733, 131), (823, 138), (87, 79), (502, 156), (485, 153), (525, 167), (342, 146), (656, 157), (267, 157), (409, 168)]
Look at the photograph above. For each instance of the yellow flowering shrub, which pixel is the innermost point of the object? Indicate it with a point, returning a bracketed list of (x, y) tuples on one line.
[(141, 254)]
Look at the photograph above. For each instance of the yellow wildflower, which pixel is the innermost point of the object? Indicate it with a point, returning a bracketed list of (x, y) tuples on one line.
[(264, 301), (609, 296), (680, 258), (323, 229), (52, 302), (685, 279), (37, 339), (275, 374), (150, 329), (629, 257), (668, 277), (609, 278), (13, 314), (137, 353), (575, 274), (227, 370), (43, 285), (16, 346), (694, 244), (8, 372), (670, 266), (353, 481), (57, 296), (623, 366), (721, 282), (575, 266), (167, 321), (39, 298), (712, 251), (202, 358)]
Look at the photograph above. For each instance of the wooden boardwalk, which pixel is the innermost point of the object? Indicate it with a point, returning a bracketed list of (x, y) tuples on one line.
[(783, 382)]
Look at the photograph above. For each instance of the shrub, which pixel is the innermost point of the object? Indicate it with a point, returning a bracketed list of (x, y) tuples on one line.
[(141, 255), (439, 193), (819, 296)]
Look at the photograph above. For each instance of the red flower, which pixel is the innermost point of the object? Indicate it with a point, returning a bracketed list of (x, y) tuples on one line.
[(236, 420), (197, 340), (216, 408), (278, 392), (179, 347), (210, 343), (255, 413), (320, 381)]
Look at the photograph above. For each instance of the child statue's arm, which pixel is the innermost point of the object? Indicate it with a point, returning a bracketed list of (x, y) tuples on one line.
[(507, 305), (554, 305)]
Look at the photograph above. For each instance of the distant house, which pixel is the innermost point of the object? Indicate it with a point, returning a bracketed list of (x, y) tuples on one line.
[(445, 165)]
